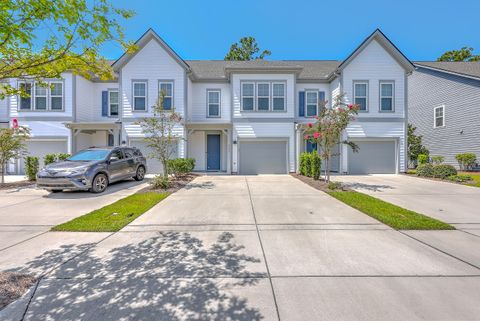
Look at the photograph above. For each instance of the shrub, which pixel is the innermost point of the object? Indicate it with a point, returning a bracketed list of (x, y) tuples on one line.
[(437, 160), (315, 165), (62, 156), (334, 185), (443, 171), (52, 158), (425, 170), (466, 161), (305, 164), (422, 159), (31, 167), (180, 166), (160, 181), (460, 178)]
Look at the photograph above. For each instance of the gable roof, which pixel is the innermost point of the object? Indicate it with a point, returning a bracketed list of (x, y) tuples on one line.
[(142, 42), (380, 37), (469, 69), (306, 69)]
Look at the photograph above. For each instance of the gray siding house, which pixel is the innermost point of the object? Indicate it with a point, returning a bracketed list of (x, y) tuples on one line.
[(444, 105)]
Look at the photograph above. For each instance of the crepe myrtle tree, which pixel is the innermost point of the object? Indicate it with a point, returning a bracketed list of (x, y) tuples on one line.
[(159, 132), (12, 145), (327, 130)]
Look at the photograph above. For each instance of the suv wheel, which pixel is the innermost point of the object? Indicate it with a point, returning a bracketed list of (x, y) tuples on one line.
[(140, 175), (99, 184)]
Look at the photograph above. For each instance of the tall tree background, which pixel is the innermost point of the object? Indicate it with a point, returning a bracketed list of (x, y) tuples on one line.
[(246, 49), (463, 54)]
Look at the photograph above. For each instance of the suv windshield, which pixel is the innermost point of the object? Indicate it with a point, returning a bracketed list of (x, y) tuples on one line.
[(89, 155)]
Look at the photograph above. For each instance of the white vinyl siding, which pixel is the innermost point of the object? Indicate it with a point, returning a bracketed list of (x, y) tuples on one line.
[(387, 92), (113, 103), (213, 103), (166, 87), (311, 103), (139, 95), (439, 116), (360, 94)]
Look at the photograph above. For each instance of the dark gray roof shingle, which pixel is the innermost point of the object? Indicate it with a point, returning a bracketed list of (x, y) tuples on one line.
[(467, 68), (309, 69)]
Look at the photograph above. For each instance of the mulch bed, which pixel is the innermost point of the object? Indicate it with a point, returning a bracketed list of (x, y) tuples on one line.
[(319, 184), (13, 286), (18, 184), (176, 183)]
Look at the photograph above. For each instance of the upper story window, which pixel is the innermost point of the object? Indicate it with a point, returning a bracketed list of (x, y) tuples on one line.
[(311, 105), (166, 87), (213, 103), (140, 95), (360, 94), (386, 95), (248, 96), (278, 94), (439, 116), (48, 96), (263, 96), (113, 102)]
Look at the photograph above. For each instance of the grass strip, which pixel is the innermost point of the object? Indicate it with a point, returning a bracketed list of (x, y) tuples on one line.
[(115, 216), (389, 214)]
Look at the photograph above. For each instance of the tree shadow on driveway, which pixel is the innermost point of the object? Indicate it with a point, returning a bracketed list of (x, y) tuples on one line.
[(171, 276), (368, 187)]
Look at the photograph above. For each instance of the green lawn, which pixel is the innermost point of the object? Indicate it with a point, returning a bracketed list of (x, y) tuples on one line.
[(387, 213), (115, 216), (475, 176)]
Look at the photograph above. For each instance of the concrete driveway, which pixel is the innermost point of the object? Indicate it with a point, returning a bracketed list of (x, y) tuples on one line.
[(249, 248), (28, 212)]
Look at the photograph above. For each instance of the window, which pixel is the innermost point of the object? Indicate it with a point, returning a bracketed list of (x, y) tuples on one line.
[(311, 103), (113, 103), (117, 154), (360, 95), (167, 89), (213, 103), (263, 96), (248, 96), (56, 96), (140, 96), (40, 97), (439, 116), (278, 96), (386, 96), (128, 153), (26, 102)]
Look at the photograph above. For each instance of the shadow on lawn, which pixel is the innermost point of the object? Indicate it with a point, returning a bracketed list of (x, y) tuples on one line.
[(172, 276)]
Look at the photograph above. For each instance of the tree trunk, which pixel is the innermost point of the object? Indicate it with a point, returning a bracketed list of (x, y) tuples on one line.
[(3, 172)]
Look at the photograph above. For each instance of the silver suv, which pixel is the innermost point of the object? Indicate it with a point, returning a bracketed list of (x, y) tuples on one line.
[(93, 169)]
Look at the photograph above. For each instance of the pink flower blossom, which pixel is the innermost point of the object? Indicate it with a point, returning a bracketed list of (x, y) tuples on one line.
[(316, 135), (310, 125), (306, 137)]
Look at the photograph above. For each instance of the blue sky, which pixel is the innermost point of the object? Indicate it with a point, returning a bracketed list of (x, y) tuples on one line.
[(305, 29)]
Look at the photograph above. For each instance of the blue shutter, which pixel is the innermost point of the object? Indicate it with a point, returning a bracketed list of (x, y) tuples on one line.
[(105, 103), (321, 97), (301, 104)]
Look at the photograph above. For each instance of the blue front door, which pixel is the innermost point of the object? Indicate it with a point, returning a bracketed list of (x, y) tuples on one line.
[(213, 152)]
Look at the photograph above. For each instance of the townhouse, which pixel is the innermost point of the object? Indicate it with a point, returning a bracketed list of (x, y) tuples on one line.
[(239, 117)]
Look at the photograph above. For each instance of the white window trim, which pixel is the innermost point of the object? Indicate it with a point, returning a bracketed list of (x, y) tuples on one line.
[(306, 102), (110, 104), (258, 96), (219, 103), (50, 96), (171, 82), (244, 96), (435, 116), (355, 82), (144, 96), (386, 82), (284, 96)]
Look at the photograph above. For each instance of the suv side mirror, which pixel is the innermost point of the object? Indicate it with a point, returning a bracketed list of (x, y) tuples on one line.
[(113, 158)]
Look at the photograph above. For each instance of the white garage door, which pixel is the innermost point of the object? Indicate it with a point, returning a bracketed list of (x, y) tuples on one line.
[(374, 157), (40, 148), (263, 157), (153, 165)]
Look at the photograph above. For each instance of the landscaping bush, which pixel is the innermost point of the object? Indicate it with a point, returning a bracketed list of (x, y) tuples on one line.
[(334, 185), (443, 171), (31, 167), (160, 181), (55, 157), (62, 156), (180, 166), (305, 164), (460, 178), (315, 165), (425, 170), (422, 159), (466, 161), (437, 160)]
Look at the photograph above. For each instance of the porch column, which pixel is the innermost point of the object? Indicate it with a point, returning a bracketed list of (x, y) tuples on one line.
[(298, 145), (227, 133)]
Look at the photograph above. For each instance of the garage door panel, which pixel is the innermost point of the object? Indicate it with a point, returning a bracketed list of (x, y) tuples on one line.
[(373, 157), (42, 148), (263, 157), (153, 165)]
